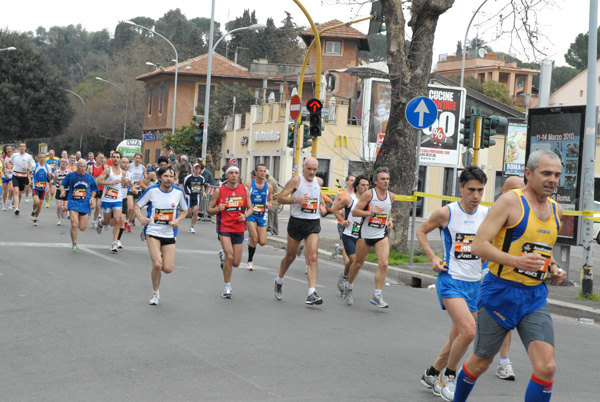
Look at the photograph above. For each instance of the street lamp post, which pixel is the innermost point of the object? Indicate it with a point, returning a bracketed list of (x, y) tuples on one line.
[(211, 50), (125, 94), (8, 49), (176, 70), (84, 116)]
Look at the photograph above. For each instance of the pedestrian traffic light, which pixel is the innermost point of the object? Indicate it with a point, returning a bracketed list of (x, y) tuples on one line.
[(199, 134), (291, 135), (467, 131), (306, 143), (314, 107), (377, 19)]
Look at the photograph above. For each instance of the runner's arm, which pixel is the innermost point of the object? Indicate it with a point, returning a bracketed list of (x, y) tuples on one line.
[(212, 208), (290, 187)]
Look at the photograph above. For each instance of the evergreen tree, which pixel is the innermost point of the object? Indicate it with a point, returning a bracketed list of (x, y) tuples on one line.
[(34, 101)]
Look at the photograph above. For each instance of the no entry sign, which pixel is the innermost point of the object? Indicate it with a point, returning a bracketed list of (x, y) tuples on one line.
[(295, 107)]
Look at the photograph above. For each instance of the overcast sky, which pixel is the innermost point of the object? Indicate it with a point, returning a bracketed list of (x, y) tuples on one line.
[(561, 24)]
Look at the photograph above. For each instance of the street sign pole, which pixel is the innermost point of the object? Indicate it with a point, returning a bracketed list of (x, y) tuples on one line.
[(420, 112), (589, 151)]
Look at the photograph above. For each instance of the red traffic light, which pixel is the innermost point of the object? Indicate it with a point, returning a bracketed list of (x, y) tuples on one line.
[(314, 105)]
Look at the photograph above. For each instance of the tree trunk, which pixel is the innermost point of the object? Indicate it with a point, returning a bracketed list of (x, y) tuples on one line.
[(409, 76)]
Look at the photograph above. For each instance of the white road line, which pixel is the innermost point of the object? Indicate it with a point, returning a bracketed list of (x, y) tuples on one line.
[(113, 260), (95, 246)]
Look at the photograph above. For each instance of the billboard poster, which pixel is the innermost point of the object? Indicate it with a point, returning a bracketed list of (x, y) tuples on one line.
[(515, 147), (560, 130), (439, 143), (128, 148)]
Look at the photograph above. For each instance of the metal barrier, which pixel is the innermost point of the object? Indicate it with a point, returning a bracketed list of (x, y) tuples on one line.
[(203, 216)]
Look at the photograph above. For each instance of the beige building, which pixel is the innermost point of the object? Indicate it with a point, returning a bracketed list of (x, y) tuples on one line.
[(491, 67)]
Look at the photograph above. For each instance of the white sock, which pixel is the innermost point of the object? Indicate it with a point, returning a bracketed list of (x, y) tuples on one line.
[(311, 291), (157, 293), (228, 285), (504, 360), (348, 285), (279, 280), (377, 292)]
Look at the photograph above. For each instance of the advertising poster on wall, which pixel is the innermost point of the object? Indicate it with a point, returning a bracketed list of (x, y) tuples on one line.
[(439, 143), (560, 130), (516, 146)]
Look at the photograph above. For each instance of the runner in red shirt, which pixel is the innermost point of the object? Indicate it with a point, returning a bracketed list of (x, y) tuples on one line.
[(231, 203), (96, 170)]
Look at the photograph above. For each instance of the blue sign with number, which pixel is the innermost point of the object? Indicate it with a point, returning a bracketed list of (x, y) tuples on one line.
[(421, 112)]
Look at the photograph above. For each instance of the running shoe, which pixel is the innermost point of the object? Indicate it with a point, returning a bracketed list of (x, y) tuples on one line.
[(437, 387), (119, 245), (336, 251), (132, 223), (115, 247), (47, 205), (192, 230), (32, 215), (99, 224), (300, 248), (448, 388), (17, 212), (105, 227), (277, 292), (348, 294), (226, 293), (75, 248), (27, 199), (143, 235), (429, 381), (341, 281), (10, 206), (505, 371), (58, 223), (250, 267), (314, 298), (3, 207), (378, 301), (63, 213), (35, 222), (94, 225), (155, 300), (222, 258), (126, 227)]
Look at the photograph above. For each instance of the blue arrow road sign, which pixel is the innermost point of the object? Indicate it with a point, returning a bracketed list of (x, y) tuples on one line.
[(421, 112)]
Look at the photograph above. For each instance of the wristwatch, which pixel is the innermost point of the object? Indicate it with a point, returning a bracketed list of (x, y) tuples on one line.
[(559, 270)]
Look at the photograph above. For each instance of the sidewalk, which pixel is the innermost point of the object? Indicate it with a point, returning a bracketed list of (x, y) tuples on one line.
[(563, 300)]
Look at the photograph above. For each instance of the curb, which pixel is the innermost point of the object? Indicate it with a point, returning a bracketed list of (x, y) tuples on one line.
[(421, 280)]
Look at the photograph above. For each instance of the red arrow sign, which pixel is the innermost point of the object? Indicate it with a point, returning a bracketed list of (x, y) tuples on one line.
[(295, 107), (315, 105)]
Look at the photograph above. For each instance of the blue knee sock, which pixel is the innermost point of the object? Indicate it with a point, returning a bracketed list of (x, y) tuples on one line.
[(464, 385), (538, 390)]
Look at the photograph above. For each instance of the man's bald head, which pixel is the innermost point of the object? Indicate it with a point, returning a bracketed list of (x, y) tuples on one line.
[(310, 168), (512, 183)]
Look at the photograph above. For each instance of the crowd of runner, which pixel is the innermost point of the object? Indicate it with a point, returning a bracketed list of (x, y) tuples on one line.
[(490, 275)]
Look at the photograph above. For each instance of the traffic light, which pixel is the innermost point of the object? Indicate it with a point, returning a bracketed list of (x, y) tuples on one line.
[(376, 25), (291, 135), (199, 132), (306, 143), (490, 124), (467, 131), (314, 107)]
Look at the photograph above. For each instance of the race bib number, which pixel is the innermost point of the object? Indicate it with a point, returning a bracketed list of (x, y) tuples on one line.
[(258, 209), (79, 194), (543, 249), (197, 188), (163, 216), (40, 184), (137, 186), (20, 174), (378, 221), (234, 204), (355, 229), (462, 246), (125, 184), (310, 207), (112, 193)]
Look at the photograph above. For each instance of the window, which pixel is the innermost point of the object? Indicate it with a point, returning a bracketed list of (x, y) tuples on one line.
[(333, 47), (156, 155), (323, 171), (448, 183), (160, 99), (359, 167), (147, 156), (275, 170), (150, 102)]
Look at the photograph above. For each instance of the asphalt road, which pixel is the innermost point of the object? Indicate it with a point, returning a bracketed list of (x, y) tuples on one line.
[(78, 327)]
